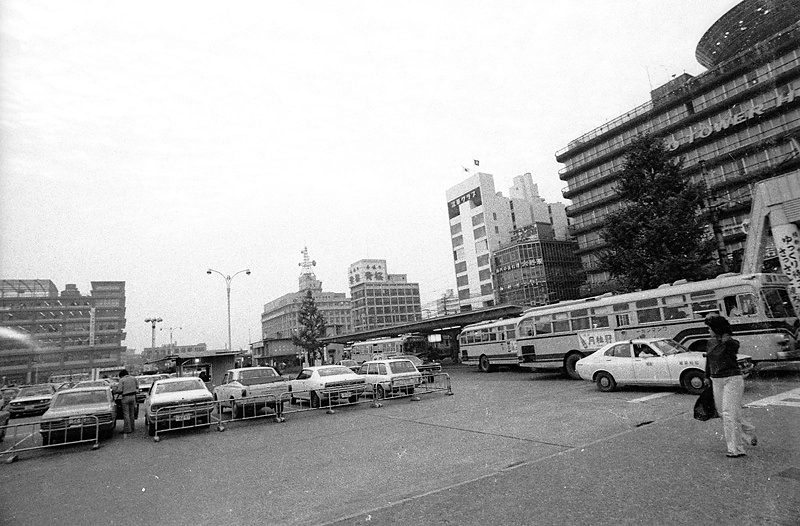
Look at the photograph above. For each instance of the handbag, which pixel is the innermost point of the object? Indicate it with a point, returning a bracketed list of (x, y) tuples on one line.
[(704, 407)]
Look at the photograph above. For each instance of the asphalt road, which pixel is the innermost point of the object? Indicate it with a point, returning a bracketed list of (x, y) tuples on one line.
[(511, 447)]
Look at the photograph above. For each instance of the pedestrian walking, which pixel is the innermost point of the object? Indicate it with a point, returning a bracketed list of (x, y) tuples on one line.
[(127, 388), (722, 371)]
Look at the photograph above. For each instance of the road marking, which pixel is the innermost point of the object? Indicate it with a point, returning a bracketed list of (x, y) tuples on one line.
[(649, 397), (787, 398)]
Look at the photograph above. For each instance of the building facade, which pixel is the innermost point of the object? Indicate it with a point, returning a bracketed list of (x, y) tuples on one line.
[(444, 305), (151, 354), (64, 333), (481, 221), (380, 299), (535, 268), (279, 317), (732, 126)]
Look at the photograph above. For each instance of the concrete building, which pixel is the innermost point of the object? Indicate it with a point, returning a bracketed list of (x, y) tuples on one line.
[(444, 305), (62, 333), (380, 299), (481, 221), (152, 354), (535, 268), (279, 318), (732, 126)]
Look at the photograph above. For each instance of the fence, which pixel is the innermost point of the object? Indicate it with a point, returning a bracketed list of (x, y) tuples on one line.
[(32, 436)]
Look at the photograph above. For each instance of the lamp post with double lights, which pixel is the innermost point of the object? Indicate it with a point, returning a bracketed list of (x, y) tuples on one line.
[(228, 280), (171, 345), (152, 322)]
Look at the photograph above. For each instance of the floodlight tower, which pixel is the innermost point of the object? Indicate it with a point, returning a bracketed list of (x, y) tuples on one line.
[(152, 322)]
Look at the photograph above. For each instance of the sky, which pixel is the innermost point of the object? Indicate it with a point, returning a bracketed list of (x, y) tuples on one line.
[(150, 141)]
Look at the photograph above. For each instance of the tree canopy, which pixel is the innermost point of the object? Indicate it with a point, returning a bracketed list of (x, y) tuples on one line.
[(312, 327), (659, 234)]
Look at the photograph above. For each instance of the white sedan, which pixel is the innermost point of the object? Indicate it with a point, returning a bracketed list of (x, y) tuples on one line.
[(649, 361), (327, 383), (174, 403)]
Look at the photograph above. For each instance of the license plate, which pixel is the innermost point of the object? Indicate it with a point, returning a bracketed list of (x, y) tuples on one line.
[(183, 417), (30, 407), (76, 421)]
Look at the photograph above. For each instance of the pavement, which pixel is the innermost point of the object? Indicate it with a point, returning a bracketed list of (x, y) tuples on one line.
[(507, 448)]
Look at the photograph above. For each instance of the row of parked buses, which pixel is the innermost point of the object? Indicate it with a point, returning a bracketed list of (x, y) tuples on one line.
[(758, 307)]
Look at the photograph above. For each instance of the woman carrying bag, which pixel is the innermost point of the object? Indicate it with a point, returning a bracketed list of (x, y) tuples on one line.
[(722, 371)]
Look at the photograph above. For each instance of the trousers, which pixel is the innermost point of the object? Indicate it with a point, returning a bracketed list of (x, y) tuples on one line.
[(128, 413), (728, 393)]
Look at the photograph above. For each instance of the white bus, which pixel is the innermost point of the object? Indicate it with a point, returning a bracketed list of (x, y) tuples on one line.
[(757, 306), (386, 347)]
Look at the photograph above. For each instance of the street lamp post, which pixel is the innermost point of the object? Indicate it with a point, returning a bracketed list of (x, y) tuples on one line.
[(152, 322), (228, 280), (171, 345)]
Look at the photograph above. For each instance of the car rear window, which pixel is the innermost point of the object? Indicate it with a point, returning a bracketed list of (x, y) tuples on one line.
[(403, 366), (257, 374), (189, 384), (333, 371), (79, 398)]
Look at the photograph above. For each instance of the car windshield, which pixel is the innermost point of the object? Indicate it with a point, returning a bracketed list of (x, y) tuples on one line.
[(76, 398), (334, 370), (36, 391), (403, 366), (146, 379), (669, 347), (189, 384)]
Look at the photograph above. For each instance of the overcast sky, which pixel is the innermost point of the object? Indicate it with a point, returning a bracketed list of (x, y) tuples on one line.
[(149, 141)]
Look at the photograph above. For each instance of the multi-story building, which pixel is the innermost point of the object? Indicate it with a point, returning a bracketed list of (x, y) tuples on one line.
[(444, 305), (481, 220), (279, 318), (63, 333), (733, 125), (535, 268), (380, 299)]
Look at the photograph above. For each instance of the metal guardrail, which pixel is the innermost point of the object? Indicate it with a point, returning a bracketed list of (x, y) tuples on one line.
[(86, 427), (183, 416)]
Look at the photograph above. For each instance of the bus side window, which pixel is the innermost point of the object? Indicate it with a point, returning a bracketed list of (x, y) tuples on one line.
[(526, 328)]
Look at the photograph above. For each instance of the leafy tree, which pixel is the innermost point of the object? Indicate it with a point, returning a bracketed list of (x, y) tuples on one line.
[(312, 327), (658, 235)]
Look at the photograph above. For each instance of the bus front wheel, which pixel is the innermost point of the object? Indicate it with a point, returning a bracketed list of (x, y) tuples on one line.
[(569, 365), (484, 365)]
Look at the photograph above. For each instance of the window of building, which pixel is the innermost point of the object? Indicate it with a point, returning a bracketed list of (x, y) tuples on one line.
[(487, 289), (455, 229), (484, 274), (461, 266), (482, 246), (458, 241), (483, 260), (458, 254), (463, 294), (479, 232)]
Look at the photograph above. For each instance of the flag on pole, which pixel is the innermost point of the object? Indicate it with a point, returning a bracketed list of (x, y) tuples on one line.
[(477, 162)]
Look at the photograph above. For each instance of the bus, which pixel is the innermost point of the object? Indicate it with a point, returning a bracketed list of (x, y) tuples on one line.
[(386, 347), (758, 307)]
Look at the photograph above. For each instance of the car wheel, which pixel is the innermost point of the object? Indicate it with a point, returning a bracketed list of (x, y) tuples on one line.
[(693, 381), (315, 401), (381, 392), (151, 428), (569, 365), (236, 410), (605, 382), (483, 364)]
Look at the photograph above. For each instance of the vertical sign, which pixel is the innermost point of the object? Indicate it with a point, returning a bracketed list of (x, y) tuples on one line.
[(91, 326)]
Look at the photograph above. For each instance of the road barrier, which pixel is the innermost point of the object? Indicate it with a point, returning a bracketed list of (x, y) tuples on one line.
[(250, 408), (31, 436), (328, 397), (183, 416)]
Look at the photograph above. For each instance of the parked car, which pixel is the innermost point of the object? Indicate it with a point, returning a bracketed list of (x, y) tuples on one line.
[(251, 389), (391, 376), (31, 399), (327, 383), (144, 381), (426, 369), (177, 402), (649, 361), (350, 364), (78, 413)]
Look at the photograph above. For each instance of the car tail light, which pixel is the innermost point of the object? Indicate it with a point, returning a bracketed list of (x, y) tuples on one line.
[(244, 393)]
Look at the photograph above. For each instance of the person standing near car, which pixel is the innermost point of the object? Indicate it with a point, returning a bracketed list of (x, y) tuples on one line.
[(722, 372), (127, 388)]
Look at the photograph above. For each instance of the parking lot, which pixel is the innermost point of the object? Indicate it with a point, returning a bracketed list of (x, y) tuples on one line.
[(509, 447)]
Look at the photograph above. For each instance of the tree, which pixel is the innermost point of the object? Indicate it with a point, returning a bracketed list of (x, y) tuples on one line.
[(658, 235), (312, 327)]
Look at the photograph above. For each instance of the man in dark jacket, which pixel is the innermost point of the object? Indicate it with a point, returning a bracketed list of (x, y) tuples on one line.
[(127, 388)]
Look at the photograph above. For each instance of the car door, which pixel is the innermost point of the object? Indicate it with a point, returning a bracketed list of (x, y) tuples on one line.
[(649, 365), (222, 389), (617, 360), (302, 384)]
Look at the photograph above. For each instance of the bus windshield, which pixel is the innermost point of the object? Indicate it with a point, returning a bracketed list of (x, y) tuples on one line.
[(778, 304)]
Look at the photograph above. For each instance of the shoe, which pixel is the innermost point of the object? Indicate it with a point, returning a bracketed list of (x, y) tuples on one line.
[(735, 455), (754, 441)]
